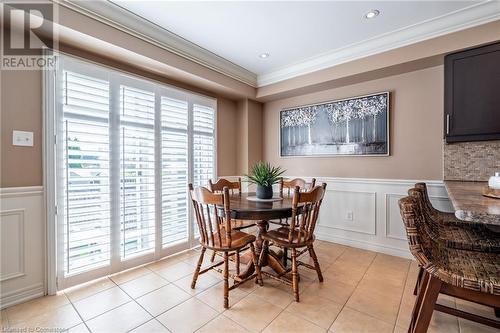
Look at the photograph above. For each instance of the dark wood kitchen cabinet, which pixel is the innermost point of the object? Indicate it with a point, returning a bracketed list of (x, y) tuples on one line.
[(472, 94)]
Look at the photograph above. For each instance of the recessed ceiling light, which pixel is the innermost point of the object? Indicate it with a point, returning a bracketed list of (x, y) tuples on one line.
[(372, 14), (264, 55)]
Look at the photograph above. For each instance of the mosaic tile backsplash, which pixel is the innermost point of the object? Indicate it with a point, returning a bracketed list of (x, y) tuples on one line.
[(473, 161)]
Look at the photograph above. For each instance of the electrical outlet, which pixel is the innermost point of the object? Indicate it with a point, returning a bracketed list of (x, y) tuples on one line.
[(349, 216)]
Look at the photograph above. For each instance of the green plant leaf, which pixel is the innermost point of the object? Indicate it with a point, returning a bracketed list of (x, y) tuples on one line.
[(264, 174)]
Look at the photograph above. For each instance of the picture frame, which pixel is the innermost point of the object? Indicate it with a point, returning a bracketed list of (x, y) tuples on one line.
[(354, 126)]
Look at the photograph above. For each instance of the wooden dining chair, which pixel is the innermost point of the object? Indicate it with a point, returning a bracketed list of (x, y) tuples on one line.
[(234, 189), (213, 215), (287, 187), (469, 275), (299, 234), (451, 232)]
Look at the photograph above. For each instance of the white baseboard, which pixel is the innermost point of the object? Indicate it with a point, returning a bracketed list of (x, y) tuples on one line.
[(393, 251), (22, 295)]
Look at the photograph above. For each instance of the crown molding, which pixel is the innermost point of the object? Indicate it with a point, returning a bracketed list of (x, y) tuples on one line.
[(132, 24), (468, 17), (119, 18)]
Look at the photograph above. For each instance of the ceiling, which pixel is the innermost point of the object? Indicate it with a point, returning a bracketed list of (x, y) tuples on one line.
[(300, 36), (289, 31)]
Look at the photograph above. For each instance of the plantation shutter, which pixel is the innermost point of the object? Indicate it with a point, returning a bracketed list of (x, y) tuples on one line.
[(203, 144), (174, 139), (126, 150), (137, 171), (85, 172)]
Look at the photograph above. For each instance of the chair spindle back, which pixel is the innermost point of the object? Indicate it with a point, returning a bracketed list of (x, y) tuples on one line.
[(289, 185), (212, 223), (218, 187), (303, 222)]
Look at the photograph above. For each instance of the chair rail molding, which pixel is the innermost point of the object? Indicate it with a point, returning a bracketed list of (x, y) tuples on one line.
[(364, 212), (22, 244)]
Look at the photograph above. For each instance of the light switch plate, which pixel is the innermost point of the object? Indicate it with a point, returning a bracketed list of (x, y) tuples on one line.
[(22, 138)]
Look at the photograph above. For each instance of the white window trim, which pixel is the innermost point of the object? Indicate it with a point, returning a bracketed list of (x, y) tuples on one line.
[(49, 147)]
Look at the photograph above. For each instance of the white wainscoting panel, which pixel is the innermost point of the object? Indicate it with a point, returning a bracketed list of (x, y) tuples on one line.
[(361, 206), (376, 222), (22, 244), (12, 244), (393, 228)]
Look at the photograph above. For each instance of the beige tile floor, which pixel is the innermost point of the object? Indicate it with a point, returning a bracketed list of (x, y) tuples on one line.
[(363, 291)]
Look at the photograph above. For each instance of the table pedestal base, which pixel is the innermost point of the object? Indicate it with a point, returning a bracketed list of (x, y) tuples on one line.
[(268, 257)]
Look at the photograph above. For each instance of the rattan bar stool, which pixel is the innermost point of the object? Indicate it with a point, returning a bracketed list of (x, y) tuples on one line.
[(451, 232), (470, 275)]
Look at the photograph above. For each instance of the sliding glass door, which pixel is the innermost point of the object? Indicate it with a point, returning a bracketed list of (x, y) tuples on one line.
[(126, 149)]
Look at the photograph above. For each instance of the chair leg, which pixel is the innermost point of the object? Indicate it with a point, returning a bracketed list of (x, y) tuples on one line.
[(428, 302), (226, 280), (212, 259), (314, 257), (418, 300), (256, 264), (237, 262), (419, 280), (198, 267), (295, 275)]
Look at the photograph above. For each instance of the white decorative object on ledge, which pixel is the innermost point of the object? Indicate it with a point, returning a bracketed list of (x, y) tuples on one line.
[(494, 181)]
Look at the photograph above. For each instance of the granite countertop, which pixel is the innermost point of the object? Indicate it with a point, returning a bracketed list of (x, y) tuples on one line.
[(470, 204)]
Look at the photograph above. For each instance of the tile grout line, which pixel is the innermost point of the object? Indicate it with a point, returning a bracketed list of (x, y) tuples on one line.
[(357, 284), (76, 310), (402, 295), (129, 301), (134, 300), (284, 309), (370, 315), (117, 306), (97, 292)]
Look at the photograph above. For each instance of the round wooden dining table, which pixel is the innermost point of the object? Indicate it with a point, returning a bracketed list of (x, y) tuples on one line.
[(243, 208)]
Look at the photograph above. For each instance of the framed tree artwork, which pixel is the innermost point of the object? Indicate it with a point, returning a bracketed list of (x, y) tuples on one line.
[(354, 126)]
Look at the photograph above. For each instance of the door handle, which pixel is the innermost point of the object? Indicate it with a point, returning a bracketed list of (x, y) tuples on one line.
[(447, 124)]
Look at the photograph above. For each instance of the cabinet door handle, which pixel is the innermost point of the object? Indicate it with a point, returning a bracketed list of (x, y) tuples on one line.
[(447, 124)]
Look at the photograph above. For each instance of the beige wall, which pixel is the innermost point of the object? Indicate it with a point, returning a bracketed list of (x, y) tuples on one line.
[(416, 123), (255, 126), (21, 109), (249, 135), (226, 134)]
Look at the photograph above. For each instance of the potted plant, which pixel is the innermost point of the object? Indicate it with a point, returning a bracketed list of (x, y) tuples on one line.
[(264, 176)]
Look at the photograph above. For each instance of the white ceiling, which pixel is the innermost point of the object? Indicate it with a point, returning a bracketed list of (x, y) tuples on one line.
[(290, 32)]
